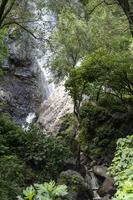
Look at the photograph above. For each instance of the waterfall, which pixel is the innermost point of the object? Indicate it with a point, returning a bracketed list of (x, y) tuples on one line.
[(47, 87), (56, 102), (30, 118), (43, 28), (44, 53), (92, 183)]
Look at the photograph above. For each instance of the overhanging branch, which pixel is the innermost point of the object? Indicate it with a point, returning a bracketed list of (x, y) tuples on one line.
[(7, 11)]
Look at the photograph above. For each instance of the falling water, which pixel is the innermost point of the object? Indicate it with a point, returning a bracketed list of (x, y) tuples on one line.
[(30, 118), (43, 53)]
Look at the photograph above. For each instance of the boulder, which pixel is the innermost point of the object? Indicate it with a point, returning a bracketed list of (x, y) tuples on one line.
[(77, 188), (106, 188), (107, 197), (72, 179), (102, 171), (72, 196)]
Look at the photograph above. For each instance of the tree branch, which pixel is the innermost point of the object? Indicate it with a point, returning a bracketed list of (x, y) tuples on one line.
[(2, 9), (21, 26), (96, 6), (7, 11)]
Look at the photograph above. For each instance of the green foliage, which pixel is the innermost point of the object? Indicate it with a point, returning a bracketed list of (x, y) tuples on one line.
[(46, 153), (107, 29), (80, 31), (12, 173), (28, 157), (3, 49), (102, 72), (122, 169), (100, 127), (46, 191), (70, 41)]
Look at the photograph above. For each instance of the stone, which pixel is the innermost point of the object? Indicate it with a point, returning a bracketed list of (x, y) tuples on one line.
[(106, 188), (54, 108), (101, 171), (72, 196), (77, 188), (107, 197), (71, 177)]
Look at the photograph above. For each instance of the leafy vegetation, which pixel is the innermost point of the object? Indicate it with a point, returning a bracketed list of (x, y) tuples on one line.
[(122, 168), (3, 48), (102, 75), (28, 157), (48, 191), (92, 48)]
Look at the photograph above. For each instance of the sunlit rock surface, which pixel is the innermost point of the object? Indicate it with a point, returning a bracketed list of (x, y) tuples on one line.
[(56, 106)]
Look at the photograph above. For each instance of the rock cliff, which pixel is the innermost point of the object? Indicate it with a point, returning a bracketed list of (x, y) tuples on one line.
[(20, 87)]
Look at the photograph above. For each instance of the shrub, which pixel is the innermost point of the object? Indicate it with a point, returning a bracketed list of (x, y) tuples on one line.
[(12, 176), (27, 157), (101, 127), (46, 153), (122, 169)]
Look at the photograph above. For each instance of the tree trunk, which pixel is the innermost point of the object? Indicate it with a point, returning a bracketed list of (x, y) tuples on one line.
[(2, 9), (127, 7)]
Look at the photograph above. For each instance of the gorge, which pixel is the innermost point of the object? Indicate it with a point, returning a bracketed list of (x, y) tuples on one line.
[(28, 59), (66, 103)]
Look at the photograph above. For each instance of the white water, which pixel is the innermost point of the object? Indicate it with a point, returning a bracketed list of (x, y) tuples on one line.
[(43, 28), (56, 101), (30, 118)]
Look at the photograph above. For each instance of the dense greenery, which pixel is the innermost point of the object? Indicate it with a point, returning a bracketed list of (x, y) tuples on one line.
[(28, 157), (102, 74), (122, 168), (92, 48)]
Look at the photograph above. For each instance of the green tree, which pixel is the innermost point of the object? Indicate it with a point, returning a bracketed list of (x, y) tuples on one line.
[(125, 5), (70, 42), (103, 73)]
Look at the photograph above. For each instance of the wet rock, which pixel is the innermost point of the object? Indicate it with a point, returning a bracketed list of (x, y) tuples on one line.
[(106, 188), (72, 196), (22, 80), (107, 197), (4, 96), (22, 92), (23, 72), (101, 171)]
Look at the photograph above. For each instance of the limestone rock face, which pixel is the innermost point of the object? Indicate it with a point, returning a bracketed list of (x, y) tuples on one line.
[(56, 106)]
